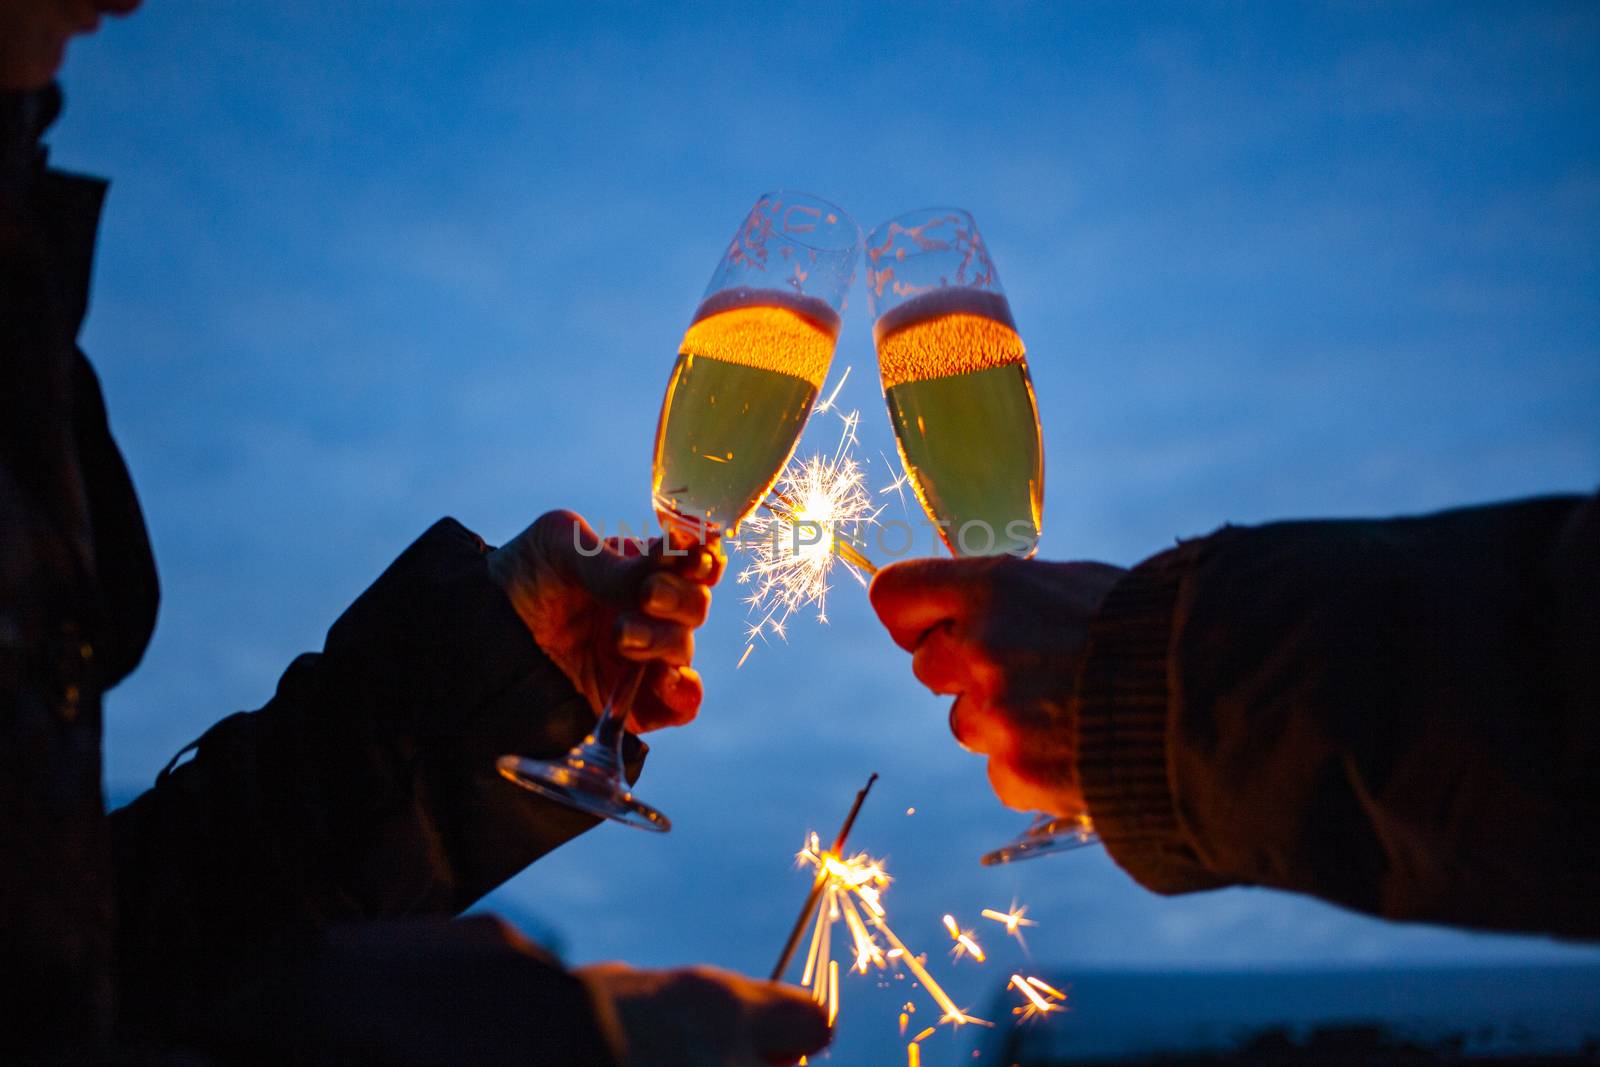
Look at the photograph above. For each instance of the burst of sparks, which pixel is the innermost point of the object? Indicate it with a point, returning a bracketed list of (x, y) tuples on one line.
[(853, 896), (1012, 920), (1040, 998), (816, 515)]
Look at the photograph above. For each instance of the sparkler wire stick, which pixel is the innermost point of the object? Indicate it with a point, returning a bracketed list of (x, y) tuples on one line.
[(822, 880)]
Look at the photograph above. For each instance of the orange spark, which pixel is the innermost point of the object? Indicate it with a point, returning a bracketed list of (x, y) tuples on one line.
[(1035, 993), (1048, 989), (965, 945), (1013, 920)]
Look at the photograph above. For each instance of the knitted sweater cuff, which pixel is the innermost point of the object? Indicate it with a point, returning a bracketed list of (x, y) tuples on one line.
[(1123, 716)]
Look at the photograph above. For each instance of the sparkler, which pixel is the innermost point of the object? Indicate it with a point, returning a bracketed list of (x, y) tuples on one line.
[(850, 891), (820, 884), (814, 518)]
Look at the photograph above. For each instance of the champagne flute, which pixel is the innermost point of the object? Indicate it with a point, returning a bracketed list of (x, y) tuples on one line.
[(746, 376), (955, 377)]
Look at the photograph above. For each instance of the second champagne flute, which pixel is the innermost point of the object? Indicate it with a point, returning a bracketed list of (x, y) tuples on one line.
[(746, 375), (955, 377)]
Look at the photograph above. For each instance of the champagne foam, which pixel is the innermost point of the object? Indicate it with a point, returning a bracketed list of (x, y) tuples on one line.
[(946, 332), (767, 329)]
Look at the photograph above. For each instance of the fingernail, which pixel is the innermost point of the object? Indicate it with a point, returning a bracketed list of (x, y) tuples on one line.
[(703, 565), (635, 634), (661, 597)]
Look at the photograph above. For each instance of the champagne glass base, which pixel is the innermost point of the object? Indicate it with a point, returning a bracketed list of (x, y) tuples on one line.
[(582, 785), (1045, 837)]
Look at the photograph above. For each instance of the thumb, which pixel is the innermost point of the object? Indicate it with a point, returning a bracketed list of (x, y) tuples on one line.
[(785, 1023), (915, 595)]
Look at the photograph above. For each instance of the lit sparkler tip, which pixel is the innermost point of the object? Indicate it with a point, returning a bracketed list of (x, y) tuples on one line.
[(849, 890), (812, 520)]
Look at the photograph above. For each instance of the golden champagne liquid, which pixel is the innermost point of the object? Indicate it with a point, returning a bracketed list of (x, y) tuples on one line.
[(747, 373), (955, 376)]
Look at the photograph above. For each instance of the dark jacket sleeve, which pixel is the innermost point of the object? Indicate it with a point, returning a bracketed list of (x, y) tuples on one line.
[(364, 790), (1399, 716)]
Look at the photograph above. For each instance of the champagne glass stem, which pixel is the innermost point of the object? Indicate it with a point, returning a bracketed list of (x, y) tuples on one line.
[(609, 728), (591, 777)]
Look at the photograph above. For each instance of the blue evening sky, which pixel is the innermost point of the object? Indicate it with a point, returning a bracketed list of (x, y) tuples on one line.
[(364, 266)]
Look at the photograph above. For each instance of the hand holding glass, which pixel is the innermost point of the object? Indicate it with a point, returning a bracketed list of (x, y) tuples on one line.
[(955, 378), (747, 373)]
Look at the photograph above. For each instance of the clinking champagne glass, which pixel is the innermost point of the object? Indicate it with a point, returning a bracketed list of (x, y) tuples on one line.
[(746, 376), (955, 377)]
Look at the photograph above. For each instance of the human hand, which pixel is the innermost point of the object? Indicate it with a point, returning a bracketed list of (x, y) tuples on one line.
[(705, 1017), (34, 35), (593, 606), (1004, 636)]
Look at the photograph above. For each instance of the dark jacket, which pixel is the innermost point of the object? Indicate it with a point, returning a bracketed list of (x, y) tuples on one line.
[(1399, 716), (213, 911)]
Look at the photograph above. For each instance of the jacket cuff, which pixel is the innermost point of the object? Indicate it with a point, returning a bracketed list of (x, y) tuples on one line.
[(1123, 716)]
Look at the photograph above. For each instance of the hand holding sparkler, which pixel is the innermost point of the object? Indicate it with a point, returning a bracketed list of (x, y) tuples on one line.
[(705, 1017)]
